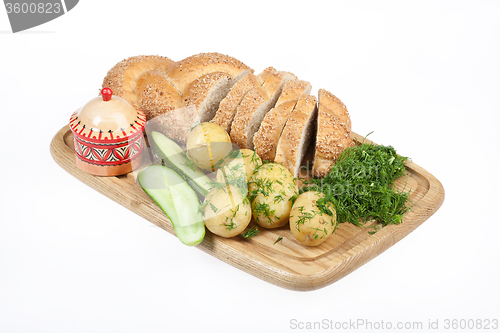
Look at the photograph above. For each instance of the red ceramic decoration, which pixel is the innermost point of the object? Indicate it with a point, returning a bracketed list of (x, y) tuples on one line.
[(108, 137)]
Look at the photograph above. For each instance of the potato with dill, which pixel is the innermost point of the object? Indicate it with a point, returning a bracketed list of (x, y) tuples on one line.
[(225, 211), (312, 219), (237, 168), (271, 191), (239, 163)]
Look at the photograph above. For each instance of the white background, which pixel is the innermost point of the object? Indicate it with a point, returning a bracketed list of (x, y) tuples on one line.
[(423, 75)]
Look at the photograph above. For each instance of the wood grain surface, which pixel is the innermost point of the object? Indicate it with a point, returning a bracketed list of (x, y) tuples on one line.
[(286, 263)]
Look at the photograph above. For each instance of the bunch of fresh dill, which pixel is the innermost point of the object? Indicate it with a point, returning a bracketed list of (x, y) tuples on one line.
[(361, 185)]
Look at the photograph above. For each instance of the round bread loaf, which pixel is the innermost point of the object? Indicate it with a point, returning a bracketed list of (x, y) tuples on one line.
[(182, 73), (123, 76)]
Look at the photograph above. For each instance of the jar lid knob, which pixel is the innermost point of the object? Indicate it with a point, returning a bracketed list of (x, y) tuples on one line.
[(106, 94)]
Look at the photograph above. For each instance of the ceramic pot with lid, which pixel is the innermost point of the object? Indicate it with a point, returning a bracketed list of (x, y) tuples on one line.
[(108, 135)]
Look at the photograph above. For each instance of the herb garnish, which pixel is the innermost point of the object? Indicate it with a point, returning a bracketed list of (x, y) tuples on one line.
[(361, 185), (279, 239), (250, 232)]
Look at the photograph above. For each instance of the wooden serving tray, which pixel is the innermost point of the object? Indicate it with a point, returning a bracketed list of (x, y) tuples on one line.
[(286, 263)]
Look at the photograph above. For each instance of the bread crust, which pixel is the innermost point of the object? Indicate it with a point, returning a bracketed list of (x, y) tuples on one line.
[(228, 106), (333, 103), (254, 99), (182, 73), (273, 81), (295, 139), (293, 89), (122, 77), (271, 72), (199, 93), (266, 138), (255, 105), (155, 95), (333, 133)]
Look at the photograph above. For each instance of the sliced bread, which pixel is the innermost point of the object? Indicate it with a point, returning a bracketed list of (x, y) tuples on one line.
[(333, 103), (199, 104), (254, 106), (271, 72), (266, 138), (228, 106), (333, 133), (206, 93), (297, 134)]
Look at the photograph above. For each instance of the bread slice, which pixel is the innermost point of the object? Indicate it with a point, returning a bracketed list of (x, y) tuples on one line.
[(271, 72), (333, 133), (266, 138), (206, 93), (123, 76), (293, 89), (273, 80), (331, 102), (254, 106), (182, 73), (199, 103), (228, 106), (297, 134), (249, 114)]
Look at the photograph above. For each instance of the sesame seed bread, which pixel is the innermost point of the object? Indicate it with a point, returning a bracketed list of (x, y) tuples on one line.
[(293, 89), (331, 101), (199, 103), (121, 79), (249, 113), (297, 134), (254, 106), (274, 80), (182, 73), (271, 72), (333, 132), (163, 106), (228, 106), (155, 95), (266, 138), (206, 93)]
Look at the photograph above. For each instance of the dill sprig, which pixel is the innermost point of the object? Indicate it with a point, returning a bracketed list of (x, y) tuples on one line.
[(361, 185), (250, 232), (279, 239)]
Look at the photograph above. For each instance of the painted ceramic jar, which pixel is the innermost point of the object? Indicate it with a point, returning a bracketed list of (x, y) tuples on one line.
[(108, 135)]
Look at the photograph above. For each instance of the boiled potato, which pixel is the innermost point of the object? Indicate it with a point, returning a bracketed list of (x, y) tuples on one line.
[(309, 224), (207, 145), (238, 167), (226, 212), (272, 189)]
